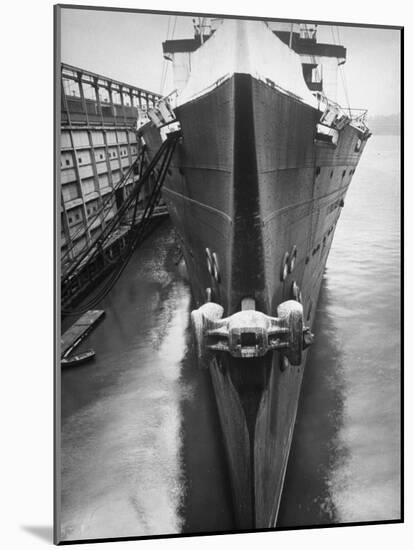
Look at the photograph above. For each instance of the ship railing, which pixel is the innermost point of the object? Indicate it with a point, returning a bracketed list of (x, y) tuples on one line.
[(333, 114), (171, 99), (162, 113), (359, 119)]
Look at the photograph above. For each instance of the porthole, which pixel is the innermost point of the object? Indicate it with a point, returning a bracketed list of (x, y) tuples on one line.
[(213, 265), (343, 173), (318, 170), (315, 250), (209, 261), (216, 270), (284, 267), (293, 256), (331, 174)]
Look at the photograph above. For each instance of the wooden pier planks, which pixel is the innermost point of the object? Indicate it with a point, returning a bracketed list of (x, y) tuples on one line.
[(79, 330)]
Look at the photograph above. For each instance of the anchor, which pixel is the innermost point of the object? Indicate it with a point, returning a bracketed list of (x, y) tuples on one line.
[(250, 333)]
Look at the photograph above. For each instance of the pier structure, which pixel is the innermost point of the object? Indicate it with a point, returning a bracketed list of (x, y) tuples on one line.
[(79, 330), (99, 143), (106, 189)]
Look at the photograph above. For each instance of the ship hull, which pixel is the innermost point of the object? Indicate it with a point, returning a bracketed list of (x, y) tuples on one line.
[(250, 183)]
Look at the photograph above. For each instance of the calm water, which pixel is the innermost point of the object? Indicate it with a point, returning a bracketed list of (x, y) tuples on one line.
[(348, 424), (141, 443)]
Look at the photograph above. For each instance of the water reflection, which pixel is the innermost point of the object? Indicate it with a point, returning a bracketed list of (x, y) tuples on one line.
[(141, 444), (345, 460), (307, 497), (366, 484), (207, 498), (122, 469)]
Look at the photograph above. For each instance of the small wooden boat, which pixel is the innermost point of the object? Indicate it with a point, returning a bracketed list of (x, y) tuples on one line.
[(78, 359)]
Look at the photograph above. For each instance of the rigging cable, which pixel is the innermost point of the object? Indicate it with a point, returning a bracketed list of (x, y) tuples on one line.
[(337, 41), (105, 209), (166, 64), (109, 284), (106, 201), (112, 223), (140, 233)]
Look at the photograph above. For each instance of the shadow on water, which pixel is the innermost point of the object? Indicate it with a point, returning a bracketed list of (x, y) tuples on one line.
[(307, 498), (121, 414), (144, 301), (207, 502), (140, 434)]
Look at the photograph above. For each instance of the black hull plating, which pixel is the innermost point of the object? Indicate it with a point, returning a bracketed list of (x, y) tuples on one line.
[(249, 183)]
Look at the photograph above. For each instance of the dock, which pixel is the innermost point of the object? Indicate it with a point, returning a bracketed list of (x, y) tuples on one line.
[(79, 330), (102, 161)]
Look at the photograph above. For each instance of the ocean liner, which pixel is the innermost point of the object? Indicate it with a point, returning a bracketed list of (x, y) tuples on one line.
[(254, 191)]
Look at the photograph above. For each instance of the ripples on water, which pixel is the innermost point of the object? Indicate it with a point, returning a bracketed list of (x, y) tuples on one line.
[(121, 415), (345, 459), (141, 445)]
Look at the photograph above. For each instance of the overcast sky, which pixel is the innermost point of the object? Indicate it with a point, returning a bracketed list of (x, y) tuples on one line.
[(128, 47)]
